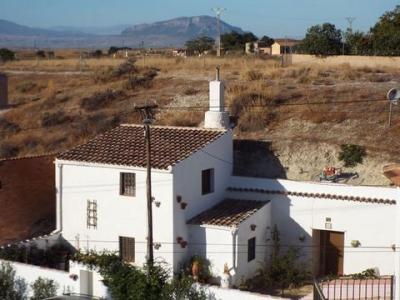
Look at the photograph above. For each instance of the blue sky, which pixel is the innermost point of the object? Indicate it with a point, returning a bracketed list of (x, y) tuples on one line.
[(276, 18)]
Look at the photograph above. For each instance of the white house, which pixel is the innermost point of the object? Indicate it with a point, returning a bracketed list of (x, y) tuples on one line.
[(201, 208)]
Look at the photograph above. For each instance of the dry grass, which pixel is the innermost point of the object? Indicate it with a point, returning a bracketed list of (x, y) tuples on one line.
[(265, 97)]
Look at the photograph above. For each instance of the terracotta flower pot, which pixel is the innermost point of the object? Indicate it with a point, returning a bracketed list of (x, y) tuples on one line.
[(195, 270)]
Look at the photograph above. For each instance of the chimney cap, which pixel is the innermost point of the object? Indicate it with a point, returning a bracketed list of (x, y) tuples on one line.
[(217, 68)]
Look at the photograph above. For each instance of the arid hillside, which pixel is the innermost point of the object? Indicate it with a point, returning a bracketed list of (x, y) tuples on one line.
[(302, 114)]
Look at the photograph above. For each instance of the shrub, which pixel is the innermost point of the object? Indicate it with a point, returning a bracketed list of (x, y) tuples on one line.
[(252, 75), (8, 150), (53, 119), (190, 91), (110, 73), (101, 99), (6, 55), (143, 80), (7, 127), (26, 87), (44, 288), (11, 287), (125, 281), (351, 154), (284, 269)]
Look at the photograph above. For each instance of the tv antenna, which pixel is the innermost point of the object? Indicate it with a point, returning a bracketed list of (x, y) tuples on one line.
[(218, 12), (393, 96)]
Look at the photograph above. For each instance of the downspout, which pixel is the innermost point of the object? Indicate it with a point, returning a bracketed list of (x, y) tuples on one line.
[(59, 221), (234, 251)]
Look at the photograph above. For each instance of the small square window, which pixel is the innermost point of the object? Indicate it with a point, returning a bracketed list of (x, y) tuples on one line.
[(128, 184), (207, 181), (251, 249), (127, 249)]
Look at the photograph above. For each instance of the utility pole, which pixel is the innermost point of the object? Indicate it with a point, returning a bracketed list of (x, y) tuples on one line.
[(218, 12), (147, 114)]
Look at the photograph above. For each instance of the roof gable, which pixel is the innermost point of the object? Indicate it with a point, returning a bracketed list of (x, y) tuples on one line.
[(125, 145), (228, 213)]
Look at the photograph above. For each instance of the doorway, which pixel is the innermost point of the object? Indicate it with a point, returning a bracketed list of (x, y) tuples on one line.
[(328, 252)]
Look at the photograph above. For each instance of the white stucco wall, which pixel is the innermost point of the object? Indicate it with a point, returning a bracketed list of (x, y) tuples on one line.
[(116, 215), (225, 245), (187, 184), (262, 219), (217, 293), (217, 244), (371, 224)]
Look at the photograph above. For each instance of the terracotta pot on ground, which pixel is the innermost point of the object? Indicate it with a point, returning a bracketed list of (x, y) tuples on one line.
[(195, 270)]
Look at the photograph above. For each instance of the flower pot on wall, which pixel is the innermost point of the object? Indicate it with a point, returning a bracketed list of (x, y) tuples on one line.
[(183, 205)]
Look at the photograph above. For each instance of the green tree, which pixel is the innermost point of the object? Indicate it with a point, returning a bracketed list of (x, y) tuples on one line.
[(6, 55), (358, 43), (284, 269), (43, 288), (386, 33), (11, 287), (200, 44), (126, 281), (322, 39), (267, 40), (40, 54), (237, 41), (351, 154)]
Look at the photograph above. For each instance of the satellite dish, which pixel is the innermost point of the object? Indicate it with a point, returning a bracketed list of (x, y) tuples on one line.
[(393, 95)]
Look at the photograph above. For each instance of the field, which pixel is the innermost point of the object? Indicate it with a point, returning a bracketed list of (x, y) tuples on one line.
[(301, 113)]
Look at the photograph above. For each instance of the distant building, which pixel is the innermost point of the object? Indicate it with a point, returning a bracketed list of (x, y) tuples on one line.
[(179, 52), (3, 90), (258, 47), (282, 46)]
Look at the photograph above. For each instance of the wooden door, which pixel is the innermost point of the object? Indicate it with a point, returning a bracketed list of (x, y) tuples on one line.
[(331, 253)]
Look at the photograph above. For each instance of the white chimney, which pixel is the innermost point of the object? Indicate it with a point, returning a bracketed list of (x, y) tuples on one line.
[(216, 116)]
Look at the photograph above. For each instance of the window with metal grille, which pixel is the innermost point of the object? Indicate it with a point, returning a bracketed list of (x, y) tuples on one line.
[(251, 249), (127, 249), (207, 181), (92, 214), (128, 184)]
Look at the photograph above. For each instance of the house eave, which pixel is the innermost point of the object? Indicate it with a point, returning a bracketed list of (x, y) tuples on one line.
[(109, 166)]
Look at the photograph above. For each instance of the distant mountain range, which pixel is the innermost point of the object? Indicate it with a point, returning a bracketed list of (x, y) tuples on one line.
[(173, 32)]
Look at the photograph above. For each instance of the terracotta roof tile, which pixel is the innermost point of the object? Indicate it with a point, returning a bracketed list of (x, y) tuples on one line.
[(314, 195), (125, 146), (229, 213)]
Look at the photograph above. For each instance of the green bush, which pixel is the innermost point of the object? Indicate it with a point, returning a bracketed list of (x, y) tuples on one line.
[(11, 287), (284, 269), (126, 281), (351, 154), (6, 55), (43, 288)]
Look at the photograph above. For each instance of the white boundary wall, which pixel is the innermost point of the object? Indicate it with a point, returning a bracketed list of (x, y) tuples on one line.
[(30, 273), (354, 61), (217, 293)]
